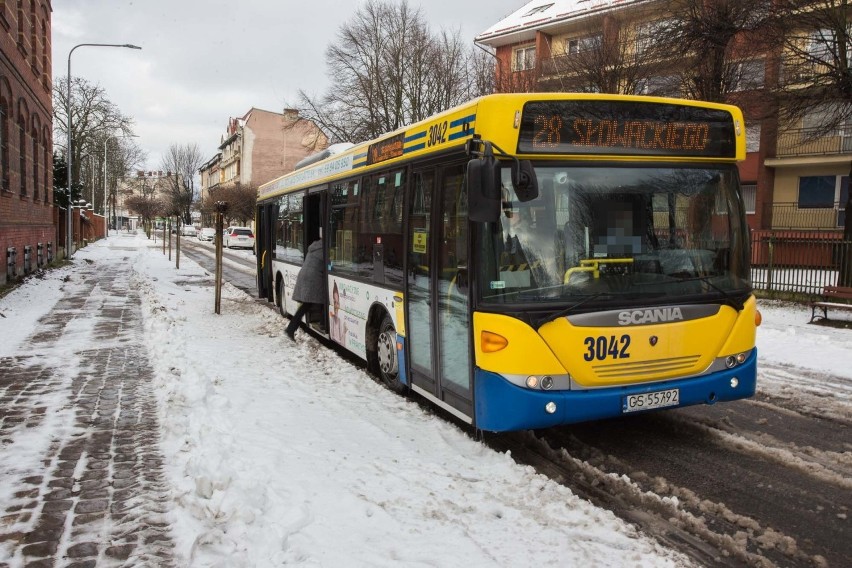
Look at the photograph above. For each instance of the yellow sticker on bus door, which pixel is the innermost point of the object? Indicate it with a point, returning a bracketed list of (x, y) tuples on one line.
[(418, 241)]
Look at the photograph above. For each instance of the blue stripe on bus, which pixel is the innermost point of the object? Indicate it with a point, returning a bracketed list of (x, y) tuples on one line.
[(460, 121), (414, 137), (414, 148), (462, 134)]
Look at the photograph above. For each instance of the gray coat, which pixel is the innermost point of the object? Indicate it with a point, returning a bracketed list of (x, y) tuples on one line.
[(309, 284)]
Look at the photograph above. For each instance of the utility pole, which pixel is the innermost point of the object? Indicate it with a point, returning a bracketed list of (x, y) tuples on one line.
[(177, 241), (221, 208)]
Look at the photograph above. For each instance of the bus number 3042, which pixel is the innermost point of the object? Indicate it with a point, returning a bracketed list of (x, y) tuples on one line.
[(603, 347)]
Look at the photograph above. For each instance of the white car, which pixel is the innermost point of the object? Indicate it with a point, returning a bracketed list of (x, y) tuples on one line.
[(188, 231), (238, 237), (206, 234)]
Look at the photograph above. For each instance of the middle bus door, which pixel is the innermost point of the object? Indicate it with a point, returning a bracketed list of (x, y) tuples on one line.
[(438, 325)]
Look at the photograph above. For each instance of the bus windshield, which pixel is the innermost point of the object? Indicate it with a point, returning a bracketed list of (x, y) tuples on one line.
[(610, 237)]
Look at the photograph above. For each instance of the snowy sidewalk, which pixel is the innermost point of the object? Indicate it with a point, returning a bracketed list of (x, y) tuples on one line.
[(273, 453), (81, 472)]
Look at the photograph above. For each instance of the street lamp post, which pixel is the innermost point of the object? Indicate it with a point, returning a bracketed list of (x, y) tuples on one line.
[(68, 162)]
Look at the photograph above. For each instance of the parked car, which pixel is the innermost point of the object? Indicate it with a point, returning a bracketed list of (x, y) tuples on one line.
[(206, 234), (188, 231), (238, 237)]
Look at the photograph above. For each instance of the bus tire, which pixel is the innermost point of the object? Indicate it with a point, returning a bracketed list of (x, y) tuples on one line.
[(386, 356)]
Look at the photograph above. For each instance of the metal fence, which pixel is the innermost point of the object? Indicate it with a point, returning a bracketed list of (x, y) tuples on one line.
[(797, 263)]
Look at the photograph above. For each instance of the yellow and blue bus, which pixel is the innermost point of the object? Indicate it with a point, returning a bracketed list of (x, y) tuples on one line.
[(530, 260)]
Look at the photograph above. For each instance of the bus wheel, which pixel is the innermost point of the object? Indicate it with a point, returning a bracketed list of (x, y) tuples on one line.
[(279, 297), (386, 354)]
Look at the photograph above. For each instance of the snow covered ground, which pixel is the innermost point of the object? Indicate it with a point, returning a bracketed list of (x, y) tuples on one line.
[(286, 453)]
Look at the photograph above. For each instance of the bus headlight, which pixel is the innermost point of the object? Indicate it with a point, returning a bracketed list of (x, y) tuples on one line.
[(532, 381), (732, 361), (735, 382), (550, 407), (547, 383)]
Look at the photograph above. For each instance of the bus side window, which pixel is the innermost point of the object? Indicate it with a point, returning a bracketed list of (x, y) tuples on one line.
[(343, 225)]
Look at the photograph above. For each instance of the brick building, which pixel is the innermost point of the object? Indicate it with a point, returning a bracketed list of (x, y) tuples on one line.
[(28, 226)]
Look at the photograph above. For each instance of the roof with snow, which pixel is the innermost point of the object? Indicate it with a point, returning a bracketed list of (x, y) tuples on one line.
[(522, 24)]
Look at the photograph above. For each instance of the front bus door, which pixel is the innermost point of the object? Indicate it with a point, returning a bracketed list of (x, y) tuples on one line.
[(438, 310), (264, 245)]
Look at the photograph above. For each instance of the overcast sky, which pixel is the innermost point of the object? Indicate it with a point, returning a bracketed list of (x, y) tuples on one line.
[(203, 61)]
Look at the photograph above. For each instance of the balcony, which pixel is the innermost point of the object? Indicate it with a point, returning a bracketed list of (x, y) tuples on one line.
[(806, 142), (790, 216)]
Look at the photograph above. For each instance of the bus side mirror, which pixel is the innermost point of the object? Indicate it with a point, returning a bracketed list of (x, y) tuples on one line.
[(483, 189), (524, 181)]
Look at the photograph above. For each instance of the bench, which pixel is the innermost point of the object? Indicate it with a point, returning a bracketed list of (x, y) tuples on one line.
[(829, 294)]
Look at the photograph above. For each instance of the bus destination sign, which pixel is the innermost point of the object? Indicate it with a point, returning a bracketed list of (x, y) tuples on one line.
[(626, 128), (386, 149)]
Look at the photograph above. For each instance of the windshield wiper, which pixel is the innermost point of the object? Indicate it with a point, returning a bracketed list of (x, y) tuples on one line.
[(730, 299), (565, 311)]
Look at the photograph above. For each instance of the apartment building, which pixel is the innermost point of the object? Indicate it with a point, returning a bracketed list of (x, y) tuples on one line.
[(28, 224), (794, 177), (258, 147)]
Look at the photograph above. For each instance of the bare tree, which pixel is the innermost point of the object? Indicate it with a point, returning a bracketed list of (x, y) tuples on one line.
[(143, 201), (181, 164), (712, 43), (388, 69), (816, 79), (817, 63), (93, 116), (481, 71), (242, 200), (605, 62)]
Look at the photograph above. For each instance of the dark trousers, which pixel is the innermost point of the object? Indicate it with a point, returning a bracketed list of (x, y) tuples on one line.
[(297, 317)]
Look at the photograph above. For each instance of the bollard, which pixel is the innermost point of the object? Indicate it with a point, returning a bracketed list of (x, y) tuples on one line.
[(39, 255), (28, 258), (50, 251), (11, 260)]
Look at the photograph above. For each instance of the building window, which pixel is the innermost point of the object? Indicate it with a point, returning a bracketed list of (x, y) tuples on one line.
[(537, 10), (844, 199), (523, 58), (661, 86), (575, 46), (33, 37), (20, 13), (816, 192), (4, 145), (46, 172), (35, 165), (648, 33), (748, 75), (44, 65), (750, 197), (821, 46), (22, 159)]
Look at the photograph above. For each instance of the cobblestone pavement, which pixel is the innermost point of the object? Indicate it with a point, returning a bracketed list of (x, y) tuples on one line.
[(90, 490)]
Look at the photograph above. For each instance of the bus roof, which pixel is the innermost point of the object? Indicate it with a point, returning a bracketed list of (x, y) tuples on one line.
[(495, 118)]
